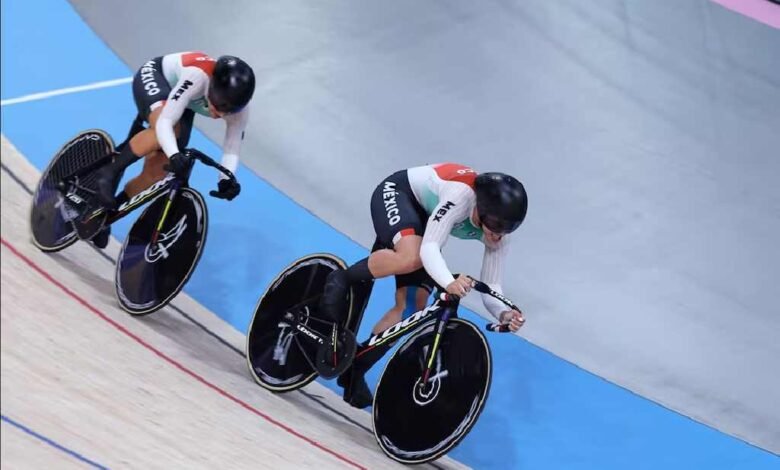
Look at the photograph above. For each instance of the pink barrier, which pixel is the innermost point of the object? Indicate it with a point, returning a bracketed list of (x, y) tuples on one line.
[(760, 10)]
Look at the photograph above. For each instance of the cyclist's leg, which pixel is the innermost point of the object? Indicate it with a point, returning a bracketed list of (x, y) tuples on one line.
[(146, 112), (107, 180), (410, 297), (400, 227), (399, 222), (399, 235), (412, 288), (395, 313), (136, 127), (150, 89), (155, 161), (412, 292), (108, 176), (398, 252), (153, 171), (403, 258)]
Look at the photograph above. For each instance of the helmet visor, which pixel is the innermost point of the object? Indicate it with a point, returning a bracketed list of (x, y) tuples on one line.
[(221, 103), (498, 225)]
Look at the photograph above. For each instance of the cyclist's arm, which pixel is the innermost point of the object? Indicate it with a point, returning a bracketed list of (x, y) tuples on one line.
[(191, 85), (492, 272), (234, 134), (454, 206)]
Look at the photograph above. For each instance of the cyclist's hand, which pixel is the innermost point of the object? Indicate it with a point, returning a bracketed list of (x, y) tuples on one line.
[(460, 286), (513, 318), (176, 164), (228, 189)]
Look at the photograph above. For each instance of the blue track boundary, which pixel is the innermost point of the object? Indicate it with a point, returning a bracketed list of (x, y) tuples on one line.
[(52, 443)]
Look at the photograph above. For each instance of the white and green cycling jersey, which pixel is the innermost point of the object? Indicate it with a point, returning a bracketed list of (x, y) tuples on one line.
[(446, 193), (189, 74)]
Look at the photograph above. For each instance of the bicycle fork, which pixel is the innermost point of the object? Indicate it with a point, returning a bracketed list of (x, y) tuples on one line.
[(168, 204), (441, 324)]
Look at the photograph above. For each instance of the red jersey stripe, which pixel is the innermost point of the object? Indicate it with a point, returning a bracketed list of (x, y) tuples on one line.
[(199, 60), (456, 172)]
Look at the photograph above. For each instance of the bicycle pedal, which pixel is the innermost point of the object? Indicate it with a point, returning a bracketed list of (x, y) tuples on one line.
[(90, 224)]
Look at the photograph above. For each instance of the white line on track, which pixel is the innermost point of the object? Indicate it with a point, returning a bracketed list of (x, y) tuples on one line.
[(66, 91)]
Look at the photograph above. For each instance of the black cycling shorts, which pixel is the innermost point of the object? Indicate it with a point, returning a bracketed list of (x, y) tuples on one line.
[(395, 213), (149, 88)]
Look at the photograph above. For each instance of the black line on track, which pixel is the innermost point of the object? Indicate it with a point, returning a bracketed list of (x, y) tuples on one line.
[(16, 178)]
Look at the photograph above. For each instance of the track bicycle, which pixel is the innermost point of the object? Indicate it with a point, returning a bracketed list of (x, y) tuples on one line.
[(433, 387), (164, 244)]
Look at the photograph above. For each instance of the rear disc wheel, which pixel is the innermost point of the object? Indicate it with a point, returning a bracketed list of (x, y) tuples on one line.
[(279, 358), (49, 219)]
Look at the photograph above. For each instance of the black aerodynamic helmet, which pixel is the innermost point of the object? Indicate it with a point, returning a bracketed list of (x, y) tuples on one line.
[(232, 84), (501, 201)]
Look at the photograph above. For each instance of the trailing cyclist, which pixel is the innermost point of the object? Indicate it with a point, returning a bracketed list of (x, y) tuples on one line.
[(414, 211), (168, 91)]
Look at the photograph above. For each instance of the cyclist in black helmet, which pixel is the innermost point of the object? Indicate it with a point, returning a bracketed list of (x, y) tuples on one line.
[(414, 212), (168, 91)]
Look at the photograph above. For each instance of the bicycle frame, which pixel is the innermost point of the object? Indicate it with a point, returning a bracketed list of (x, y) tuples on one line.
[(170, 184), (444, 308), (405, 325), (70, 183)]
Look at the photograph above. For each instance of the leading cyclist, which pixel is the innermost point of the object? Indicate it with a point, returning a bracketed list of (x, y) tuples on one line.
[(168, 91), (414, 211)]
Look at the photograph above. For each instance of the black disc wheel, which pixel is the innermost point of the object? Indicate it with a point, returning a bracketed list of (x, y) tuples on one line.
[(280, 358), (149, 273), (49, 216), (416, 423)]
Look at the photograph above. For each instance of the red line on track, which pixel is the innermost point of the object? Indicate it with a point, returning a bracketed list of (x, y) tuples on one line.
[(172, 361)]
